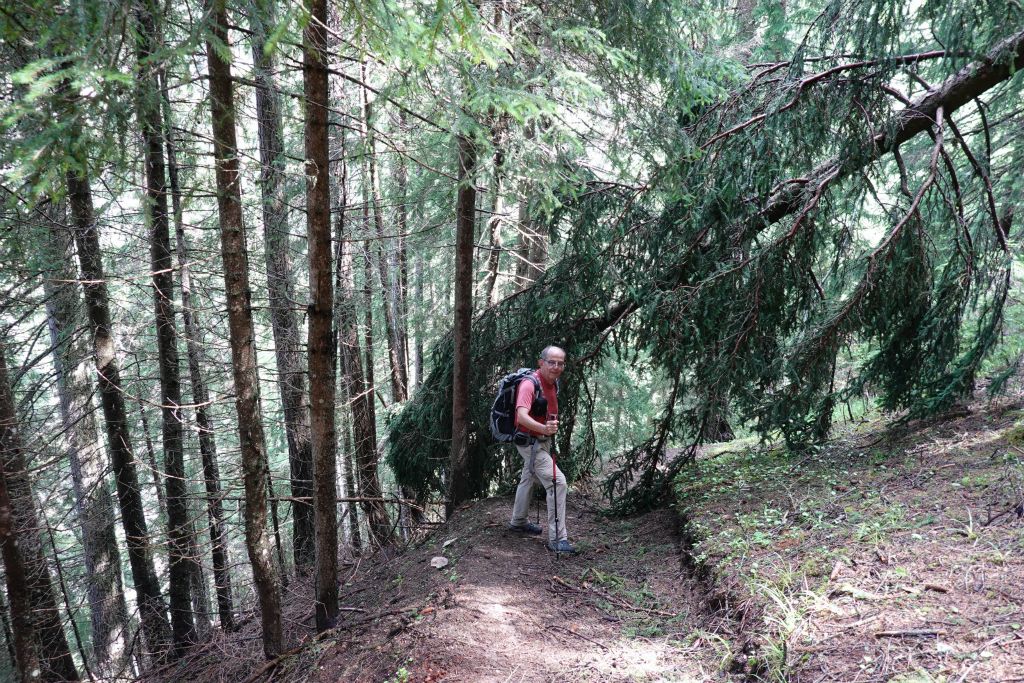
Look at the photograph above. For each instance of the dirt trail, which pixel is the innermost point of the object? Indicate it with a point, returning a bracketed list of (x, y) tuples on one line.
[(506, 609), (884, 556)]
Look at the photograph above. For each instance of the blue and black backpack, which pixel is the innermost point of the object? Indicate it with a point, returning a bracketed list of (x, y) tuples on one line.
[(503, 411)]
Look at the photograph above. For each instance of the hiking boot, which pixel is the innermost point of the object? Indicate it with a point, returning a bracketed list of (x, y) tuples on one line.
[(562, 546), (528, 528)]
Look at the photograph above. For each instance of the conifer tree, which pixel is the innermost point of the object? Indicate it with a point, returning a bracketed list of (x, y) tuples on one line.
[(50, 644), (94, 503), (242, 334), (321, 314), (291, 376), (179, 529)]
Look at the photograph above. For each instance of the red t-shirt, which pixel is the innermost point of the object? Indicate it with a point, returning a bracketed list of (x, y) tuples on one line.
[(524, 399)]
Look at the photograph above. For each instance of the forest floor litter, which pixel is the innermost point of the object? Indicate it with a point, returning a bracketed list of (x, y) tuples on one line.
[(888, 554)]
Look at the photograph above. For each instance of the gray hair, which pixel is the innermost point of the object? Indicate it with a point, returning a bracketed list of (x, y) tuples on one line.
[(544, 352)]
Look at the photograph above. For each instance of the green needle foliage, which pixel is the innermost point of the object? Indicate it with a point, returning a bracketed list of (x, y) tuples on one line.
[(795, 224)]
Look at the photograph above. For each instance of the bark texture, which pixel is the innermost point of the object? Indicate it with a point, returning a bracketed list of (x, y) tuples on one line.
[(377, 522), (491, 288), (291, 377), (242, 336), (94, 504), (347, 364), (152, 610), (321, 315), (531, 252), (181, 565), (54, 656), (200, 395), (465, 221), (22, 642)]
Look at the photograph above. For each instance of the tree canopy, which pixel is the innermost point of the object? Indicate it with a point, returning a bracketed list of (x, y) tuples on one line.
[(847, 204), (734, 217)]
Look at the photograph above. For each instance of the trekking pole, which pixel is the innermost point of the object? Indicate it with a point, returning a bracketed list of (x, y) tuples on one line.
[(554, 487), (554, 483)]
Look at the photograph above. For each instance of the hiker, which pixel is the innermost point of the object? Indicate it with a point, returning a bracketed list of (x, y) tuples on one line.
[(536, 426)]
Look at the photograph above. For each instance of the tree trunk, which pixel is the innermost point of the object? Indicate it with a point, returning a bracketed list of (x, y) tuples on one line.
[(355, 389), (348, 367), (387, 266), (366, 446), (532, 245), (152, 609), (280, 284), (25, 652), (183, 626), (54, 656), (402, 282), (150, 464), (94, 503), (378, 524), (351, 474), (5, 616), (200, 592), (321, 315), (200, 395), (276, 525), (465, 220), (64, 594), (419, 371), (242, 335), (491, 289), (746, 28)]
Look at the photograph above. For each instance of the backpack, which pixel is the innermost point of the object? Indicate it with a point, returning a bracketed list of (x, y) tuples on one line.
[(503, 412)]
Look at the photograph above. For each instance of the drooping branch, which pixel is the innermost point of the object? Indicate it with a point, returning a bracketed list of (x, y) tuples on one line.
[(789, 196), (683, 264), (972, 81)]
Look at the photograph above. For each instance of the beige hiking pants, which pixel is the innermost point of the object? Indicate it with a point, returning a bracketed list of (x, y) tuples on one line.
[(537, 467)]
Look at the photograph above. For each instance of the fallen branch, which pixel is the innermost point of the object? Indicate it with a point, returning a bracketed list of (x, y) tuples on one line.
[(553, 627), (910, 633)]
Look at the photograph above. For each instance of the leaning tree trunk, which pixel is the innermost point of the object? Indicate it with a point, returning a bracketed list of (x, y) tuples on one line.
[(147, 440), (280, 284), (200, 394), (399, 290), (152, 610), (321, 315), (242, 334), (357, 392), (94, 504), (55, 661), (183, 627), (465, 220)]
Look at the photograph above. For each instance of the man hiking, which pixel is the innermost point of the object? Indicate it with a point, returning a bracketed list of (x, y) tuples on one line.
[(536, 423)]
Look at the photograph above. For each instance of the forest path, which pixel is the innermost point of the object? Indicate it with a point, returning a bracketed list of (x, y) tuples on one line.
[(506, 609)]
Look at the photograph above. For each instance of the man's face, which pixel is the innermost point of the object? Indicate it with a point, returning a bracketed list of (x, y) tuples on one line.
[(552, 366)]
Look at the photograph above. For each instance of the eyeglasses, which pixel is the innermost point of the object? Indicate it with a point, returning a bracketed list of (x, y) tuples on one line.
[(554, 363)]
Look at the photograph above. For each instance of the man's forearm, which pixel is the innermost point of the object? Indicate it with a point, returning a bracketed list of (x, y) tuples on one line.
[(527, 422)]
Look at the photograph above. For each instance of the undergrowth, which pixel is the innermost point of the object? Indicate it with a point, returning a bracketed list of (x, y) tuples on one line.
[(774, 529)]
